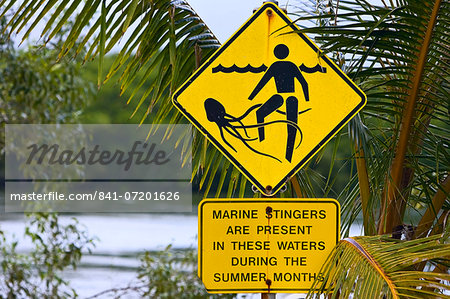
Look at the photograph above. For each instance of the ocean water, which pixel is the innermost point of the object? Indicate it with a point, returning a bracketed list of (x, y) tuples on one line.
[(121, 239)]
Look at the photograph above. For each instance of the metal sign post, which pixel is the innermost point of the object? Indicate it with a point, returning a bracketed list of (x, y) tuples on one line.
[(268, 296), (269, 100)]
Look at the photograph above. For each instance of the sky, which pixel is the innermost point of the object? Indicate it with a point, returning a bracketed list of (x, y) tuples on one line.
[(224, 17)]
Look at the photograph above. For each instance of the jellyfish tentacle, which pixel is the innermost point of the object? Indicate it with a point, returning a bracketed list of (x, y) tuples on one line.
[(216, 113), (245, 130), (258, 152), (226, 141), (277, 121), (251, 148), (301, 139), (234, 119), (270, 123), (237, 135), (300, 112), (247, 112)]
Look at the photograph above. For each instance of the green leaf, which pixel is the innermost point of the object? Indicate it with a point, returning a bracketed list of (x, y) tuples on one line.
[(130, 13), (102, 44), (362, 267)]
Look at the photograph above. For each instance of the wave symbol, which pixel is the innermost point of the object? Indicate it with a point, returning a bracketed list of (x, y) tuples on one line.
[(234, 68)]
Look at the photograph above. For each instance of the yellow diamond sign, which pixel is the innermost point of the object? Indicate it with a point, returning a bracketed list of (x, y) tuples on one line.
[(268, 99)]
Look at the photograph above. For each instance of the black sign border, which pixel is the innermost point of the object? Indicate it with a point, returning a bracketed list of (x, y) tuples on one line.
[(317, 147)]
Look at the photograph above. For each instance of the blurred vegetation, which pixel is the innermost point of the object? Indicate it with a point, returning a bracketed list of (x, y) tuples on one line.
[(170, 273), (107, 106), (35, 88), (38, 273)]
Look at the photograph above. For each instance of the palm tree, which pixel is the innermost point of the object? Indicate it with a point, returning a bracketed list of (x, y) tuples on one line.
[(398, 54)]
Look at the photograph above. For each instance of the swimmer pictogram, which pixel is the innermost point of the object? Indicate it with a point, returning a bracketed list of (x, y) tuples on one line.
[(284, 73)]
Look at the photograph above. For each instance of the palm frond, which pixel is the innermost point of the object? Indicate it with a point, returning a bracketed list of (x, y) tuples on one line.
[(380, 267), (161, 38), (399, 55)]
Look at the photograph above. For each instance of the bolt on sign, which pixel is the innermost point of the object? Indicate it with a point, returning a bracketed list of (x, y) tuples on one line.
[(269, 99), (265, 245)]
